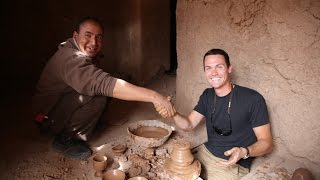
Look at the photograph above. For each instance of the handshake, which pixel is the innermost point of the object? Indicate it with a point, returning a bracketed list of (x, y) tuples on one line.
[(166, 108)]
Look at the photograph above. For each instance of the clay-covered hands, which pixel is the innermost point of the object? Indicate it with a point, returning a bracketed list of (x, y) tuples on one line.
[(235, 154), (164, 111)]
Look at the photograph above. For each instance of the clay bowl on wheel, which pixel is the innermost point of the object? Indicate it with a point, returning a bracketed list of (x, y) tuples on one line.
[(149, 133)]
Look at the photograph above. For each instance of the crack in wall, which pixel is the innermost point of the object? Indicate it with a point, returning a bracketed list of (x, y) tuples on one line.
[(290, 81), (243, 15)]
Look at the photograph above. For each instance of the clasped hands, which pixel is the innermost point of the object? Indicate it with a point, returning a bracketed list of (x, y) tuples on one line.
[(166, 109)]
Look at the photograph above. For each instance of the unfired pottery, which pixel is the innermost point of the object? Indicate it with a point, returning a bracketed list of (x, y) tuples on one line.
[(149, 133), (114, 175), (181, 165), (138, 178), (119, 149), (181, 153), (99, 164), (190, 172)]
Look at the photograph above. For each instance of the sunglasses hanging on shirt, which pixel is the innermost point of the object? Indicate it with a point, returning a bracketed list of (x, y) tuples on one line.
[(220, 131)]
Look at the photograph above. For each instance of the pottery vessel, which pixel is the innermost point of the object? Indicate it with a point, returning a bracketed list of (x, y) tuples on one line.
[(181, 153), (181, 165), (119, 149), (114, 175), (190, 172), (149, 133), (138, 178), (99, 164)]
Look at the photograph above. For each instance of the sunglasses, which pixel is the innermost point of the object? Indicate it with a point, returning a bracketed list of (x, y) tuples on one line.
[(223, 132), (220, 131)]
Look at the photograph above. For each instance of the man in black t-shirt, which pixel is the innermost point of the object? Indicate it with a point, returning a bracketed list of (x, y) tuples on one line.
[(236, 118)]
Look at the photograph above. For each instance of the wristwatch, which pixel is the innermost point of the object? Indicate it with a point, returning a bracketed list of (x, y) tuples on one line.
[(248, 153)]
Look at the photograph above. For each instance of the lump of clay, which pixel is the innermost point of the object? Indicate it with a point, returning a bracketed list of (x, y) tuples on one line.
[(302, 174)]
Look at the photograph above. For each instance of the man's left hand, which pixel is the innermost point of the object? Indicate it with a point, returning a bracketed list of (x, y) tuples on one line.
[(235, 155)]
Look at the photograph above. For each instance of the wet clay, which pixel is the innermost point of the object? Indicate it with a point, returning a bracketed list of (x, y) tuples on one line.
[(302, 174), (140, 166), (150, 132)]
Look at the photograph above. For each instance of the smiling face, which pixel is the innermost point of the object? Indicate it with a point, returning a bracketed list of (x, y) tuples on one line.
[(217, 73), (89, 38)]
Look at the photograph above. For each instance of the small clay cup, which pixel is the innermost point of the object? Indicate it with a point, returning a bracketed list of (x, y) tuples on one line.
[(99, 164), (119, 149), (114, 175), (181, 153)]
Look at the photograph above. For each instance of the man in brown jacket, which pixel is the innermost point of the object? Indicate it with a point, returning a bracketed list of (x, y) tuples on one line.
[(72, 91)]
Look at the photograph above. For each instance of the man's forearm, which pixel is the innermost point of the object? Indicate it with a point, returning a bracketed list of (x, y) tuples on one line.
[(127, 91), (182, 122), (260, 148), (264, 144)]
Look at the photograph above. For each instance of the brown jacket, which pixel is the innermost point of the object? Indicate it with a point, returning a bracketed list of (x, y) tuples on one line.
[(70, 70)]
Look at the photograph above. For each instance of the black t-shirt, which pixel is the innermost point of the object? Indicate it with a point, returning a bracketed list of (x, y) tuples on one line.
[(248, 110)]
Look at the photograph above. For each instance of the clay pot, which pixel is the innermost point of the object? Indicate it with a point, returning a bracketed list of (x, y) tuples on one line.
[(181, 153), (99, 164), (149, 133), (119, 149), (114, 175), (138, 178), (181, 164)]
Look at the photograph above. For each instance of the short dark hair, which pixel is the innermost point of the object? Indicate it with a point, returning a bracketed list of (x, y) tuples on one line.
[(89, 18), (218, 52)]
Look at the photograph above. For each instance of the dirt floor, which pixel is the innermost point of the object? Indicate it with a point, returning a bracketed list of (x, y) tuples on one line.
[(27, 155)]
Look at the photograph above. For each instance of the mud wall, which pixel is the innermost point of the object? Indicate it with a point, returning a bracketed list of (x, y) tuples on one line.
[(136, 42), (274, 48)]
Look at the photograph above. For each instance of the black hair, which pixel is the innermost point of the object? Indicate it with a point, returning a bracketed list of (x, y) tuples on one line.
[(89, 18), (218, 52)]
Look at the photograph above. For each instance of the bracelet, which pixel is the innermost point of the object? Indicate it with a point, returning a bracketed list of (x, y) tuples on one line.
[(248, 153)]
